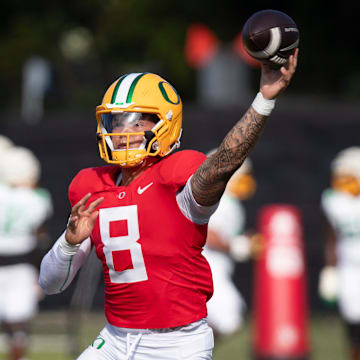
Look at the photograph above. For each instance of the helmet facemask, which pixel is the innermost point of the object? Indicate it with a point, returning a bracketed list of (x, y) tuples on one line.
[(120, 144), (346, 183)]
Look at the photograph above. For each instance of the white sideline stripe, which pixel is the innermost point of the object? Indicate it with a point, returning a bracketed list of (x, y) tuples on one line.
[(39, 343)]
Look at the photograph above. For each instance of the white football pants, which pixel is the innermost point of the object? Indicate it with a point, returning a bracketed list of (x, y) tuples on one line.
[(19, 292), (349, 292), (191, 342)]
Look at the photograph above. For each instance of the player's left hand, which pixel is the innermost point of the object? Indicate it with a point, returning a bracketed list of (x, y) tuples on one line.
[(275, 81)]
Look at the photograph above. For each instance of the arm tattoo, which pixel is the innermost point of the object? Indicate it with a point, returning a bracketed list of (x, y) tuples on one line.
[(209, 181)]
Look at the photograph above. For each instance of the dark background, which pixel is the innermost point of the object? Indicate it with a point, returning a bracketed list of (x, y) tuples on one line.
[(137, 34), (316, 117)]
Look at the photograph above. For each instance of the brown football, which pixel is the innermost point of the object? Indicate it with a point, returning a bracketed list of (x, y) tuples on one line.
[(270, 36)]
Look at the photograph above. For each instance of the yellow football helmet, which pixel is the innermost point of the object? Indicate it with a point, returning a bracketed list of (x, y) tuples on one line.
[(143, 93), (345, 170)]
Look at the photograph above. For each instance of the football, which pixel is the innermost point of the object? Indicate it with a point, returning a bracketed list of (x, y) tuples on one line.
[(270, 36)]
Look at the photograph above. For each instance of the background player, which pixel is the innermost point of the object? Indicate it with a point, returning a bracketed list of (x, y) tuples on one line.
[(147, 218), (339, 279), (226, 242), (23, 210)]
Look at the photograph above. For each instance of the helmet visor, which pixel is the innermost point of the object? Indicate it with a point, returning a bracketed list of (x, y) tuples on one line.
[(118, 122), (127, 130), (122, 121)]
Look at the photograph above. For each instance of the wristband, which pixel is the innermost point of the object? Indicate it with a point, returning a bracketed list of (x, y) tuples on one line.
[(67, 248), (263, 106)]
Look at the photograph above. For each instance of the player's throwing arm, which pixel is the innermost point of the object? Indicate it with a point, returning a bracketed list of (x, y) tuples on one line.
[(209, 181)]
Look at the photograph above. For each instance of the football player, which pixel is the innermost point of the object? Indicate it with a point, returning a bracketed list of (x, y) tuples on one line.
[(227, 242), (146, 214), (23, 210), (339, 279)]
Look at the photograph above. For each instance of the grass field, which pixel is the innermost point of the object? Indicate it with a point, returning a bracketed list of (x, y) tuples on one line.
[(50, 339)]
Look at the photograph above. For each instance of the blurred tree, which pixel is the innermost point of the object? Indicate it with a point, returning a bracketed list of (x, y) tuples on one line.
[(145, 35)]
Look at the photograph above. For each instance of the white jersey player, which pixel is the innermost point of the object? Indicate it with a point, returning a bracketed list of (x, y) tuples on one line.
[(226, 242), (23, 210), (340, 278)]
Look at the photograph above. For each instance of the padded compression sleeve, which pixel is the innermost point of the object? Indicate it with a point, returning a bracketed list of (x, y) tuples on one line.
[(58, 269), (193, 211)]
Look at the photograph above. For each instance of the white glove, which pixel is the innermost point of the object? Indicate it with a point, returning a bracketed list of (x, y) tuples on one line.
[(240, 248), (328, 283)]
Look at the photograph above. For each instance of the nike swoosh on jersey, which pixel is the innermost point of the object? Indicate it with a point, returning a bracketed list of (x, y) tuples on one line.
[(140, 190)]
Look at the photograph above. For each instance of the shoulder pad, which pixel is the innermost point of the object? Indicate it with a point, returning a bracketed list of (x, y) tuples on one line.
[(178, 167), (92, 180)]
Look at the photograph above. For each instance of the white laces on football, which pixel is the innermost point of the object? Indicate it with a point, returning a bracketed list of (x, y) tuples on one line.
[(130, 348)]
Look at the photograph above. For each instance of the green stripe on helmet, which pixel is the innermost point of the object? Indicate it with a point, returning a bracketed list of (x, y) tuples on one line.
[(132, 87), (113, 98)]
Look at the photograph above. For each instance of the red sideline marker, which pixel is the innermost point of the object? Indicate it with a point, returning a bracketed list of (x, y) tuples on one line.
[(280, 296)]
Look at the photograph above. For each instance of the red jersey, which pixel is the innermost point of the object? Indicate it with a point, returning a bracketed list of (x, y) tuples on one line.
[(155, 275)]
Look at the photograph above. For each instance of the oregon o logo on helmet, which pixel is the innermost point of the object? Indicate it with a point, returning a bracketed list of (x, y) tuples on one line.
[(165, 95)]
